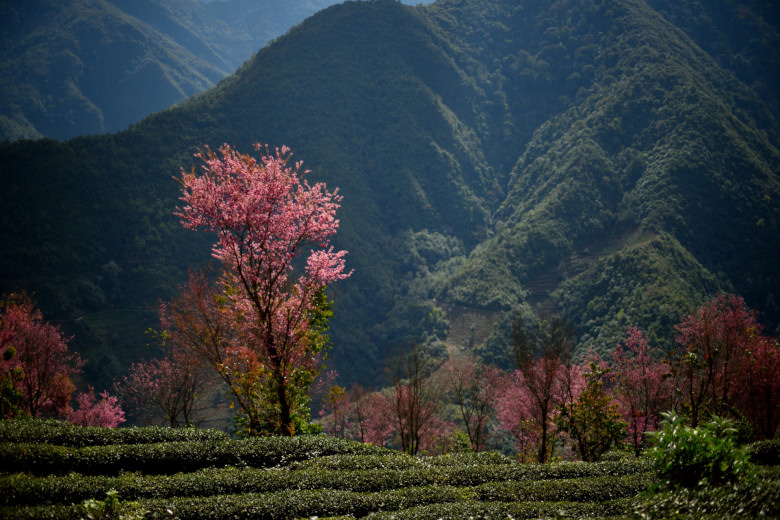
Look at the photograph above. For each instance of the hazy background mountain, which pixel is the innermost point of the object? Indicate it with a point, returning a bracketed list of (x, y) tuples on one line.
[(78, 67), (604, 158)]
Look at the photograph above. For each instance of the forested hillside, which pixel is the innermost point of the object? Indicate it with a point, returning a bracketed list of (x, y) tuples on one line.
[(605, 158), (84, 67)]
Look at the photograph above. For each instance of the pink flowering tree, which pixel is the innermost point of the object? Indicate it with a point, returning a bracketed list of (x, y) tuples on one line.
[(712, 345), (370, 416), (170, 386), (642, 386), (105, 412), (415, 397), (543, 382), (265, 216), (37, 365)]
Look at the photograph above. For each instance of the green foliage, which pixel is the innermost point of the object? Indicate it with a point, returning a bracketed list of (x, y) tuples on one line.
[(61, 433), (579, 155), (593, 421), (309, 476), (748, 499), (169, 457), (691, 457), (112, 509)]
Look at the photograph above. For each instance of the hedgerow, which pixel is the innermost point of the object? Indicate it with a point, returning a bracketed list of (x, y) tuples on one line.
[(173, 457), (60, 433), (508, 510), (291, 503), (28, 489)]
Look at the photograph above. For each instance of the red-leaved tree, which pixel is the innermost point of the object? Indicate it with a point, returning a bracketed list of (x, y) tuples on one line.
[(758, 386), (642, 386), (713, 342), (544, 380), (36, 360), (265, 216)]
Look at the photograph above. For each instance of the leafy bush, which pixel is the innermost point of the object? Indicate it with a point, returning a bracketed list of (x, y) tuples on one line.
[(514, 510), (687, 456), (112, 509), (765, 452)]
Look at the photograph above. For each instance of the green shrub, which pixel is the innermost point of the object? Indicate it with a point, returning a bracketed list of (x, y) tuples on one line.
[(687, 457), (766, 453), (749, 498), (112, 509)]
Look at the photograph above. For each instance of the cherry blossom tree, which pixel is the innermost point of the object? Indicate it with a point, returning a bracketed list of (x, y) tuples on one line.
[(712, 344), (38, 363), (642, 386), (265, 216), (543, 380), (370, 416), (171, 385), (105, 412)]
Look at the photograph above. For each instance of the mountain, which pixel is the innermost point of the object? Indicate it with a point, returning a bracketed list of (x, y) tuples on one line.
[(80, 67), (495, 156)]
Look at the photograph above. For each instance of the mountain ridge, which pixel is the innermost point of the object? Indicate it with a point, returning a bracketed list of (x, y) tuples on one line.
[(492, 156)]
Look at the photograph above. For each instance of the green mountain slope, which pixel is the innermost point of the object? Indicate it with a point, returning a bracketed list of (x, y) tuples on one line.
[(89, 66), (586, 156)]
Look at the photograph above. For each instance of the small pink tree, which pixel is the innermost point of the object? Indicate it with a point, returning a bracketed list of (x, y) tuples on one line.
[(171, 385), (41, 366), (371, 416), (415, 396), (265, 216), (641, 386), (106, 412)]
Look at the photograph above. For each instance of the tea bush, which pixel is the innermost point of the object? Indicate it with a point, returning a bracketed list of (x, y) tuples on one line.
[(62, 433), (765, 452), (687, 456)]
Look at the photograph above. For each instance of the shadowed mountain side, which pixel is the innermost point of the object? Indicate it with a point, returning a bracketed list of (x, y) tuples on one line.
[(584, 155)]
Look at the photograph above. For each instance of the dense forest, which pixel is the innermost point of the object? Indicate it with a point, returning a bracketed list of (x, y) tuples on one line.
[(616, 161)]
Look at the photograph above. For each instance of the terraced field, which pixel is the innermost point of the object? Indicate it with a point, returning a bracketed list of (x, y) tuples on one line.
[(49, 469)]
